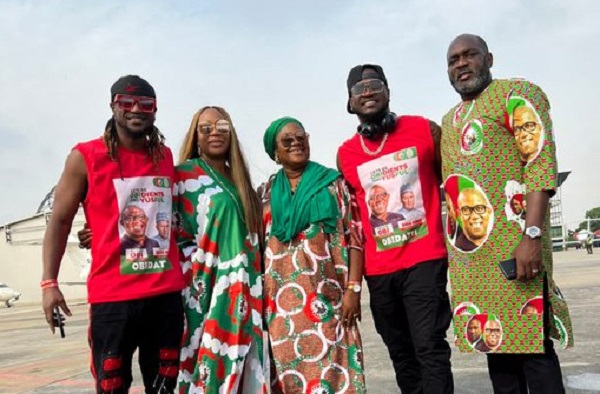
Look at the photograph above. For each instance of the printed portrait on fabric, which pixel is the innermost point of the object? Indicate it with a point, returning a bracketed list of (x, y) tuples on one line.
[(527, 127), (394, 198), (484, 332), (470, 217), (145, 206), (516, 205)]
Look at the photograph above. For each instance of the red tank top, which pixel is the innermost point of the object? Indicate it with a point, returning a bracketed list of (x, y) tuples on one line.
[(124, 205), (398, 196)]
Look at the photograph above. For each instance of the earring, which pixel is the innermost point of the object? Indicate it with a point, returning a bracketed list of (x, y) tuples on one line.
[(277, 159), (199, 151)]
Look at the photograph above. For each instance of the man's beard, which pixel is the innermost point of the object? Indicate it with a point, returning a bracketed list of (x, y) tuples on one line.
[(481, 81), (134, 135)]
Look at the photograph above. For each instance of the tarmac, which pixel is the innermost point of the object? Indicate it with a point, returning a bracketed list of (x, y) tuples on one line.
[(32, 360)]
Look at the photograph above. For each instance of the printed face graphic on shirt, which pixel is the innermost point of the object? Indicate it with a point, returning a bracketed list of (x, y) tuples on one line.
[(475, 214), (393, 198), (145, 204), (484, 332), (164, 229), (516, 204), (134, 220), (470, 216), (474, 330), (493, 333), (533, 306), (408, 200), (378, 202), (527, 128)]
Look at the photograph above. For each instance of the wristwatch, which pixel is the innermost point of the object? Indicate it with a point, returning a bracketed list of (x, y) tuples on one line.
[(354, 287), (533, 232)]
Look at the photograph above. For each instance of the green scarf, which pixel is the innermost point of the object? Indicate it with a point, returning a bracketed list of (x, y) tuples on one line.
[(311, 204)]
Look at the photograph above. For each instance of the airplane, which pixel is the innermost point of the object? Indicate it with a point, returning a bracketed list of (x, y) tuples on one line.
[(8, 294)]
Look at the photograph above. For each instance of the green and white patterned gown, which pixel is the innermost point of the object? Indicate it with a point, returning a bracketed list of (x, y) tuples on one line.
[(223, 333)]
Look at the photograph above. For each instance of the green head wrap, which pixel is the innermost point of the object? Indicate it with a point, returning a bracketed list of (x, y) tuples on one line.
[(270, 137)]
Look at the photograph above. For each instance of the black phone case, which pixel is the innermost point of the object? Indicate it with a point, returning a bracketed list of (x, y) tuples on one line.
[(509, 268)]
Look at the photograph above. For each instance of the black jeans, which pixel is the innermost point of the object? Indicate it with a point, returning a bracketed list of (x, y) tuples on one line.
[(117, 329), (412, 313), (528, 373)]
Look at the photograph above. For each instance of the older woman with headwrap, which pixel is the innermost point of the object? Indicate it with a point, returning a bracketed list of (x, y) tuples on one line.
[(313, 270)]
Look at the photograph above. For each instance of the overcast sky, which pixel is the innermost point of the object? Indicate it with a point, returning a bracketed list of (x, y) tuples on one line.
[(264, 59)]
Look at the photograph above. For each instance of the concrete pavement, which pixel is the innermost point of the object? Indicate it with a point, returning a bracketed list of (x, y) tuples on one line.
[(34, 361)]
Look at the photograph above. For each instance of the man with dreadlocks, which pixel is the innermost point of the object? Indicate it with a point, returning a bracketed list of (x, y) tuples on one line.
[(133, 291)]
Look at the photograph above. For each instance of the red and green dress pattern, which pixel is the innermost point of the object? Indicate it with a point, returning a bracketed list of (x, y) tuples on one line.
[(304, 284), (497, 148), (222, 340)]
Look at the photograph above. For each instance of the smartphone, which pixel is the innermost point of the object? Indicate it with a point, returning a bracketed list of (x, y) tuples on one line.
[(509, 268), (59, 321)]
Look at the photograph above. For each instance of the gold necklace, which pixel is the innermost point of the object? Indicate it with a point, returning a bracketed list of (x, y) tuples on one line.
[(216, 178), (376, 151)]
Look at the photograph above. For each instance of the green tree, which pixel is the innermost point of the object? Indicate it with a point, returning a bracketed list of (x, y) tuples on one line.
[(593, 213)]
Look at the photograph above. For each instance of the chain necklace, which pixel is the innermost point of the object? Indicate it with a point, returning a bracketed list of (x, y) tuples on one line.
[(378, 150), (216, 178)]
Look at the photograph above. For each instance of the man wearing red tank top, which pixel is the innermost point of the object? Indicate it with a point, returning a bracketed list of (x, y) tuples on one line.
[(390, 166), (123, 180)]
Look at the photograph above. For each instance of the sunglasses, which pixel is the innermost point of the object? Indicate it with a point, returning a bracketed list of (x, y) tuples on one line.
[(222, 127), (374, 86), (288, 140), (126, 103)]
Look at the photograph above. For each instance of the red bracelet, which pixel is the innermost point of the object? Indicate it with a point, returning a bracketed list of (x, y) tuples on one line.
[(49, 283), (49, 286)]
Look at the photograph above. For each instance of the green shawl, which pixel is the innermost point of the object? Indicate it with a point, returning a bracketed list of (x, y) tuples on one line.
[(312, 203)]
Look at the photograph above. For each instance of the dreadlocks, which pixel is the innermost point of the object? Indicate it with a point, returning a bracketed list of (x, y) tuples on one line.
[(154, 147)]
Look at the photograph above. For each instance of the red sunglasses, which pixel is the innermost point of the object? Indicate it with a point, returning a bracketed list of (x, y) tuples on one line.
[(126, 103)]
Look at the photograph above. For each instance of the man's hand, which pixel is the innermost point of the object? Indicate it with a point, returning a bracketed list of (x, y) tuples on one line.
[(350, 309), (52, 297), (85, 237), (529, 258)]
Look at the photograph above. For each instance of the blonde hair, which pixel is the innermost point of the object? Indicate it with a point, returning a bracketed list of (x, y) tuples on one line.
[(237, 163)]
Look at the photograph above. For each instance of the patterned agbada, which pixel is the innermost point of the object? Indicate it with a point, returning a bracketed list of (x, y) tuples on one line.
[(223, 296), (304, 284), (497, 148)]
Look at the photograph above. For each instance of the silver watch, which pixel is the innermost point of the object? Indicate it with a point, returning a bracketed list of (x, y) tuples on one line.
[(533, 232)]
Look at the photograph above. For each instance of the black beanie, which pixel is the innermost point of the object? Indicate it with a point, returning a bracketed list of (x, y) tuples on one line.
[(132, 85)]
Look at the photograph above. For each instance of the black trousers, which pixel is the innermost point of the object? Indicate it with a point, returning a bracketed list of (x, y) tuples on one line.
[(528, 373), (154, 326), (412, 313)]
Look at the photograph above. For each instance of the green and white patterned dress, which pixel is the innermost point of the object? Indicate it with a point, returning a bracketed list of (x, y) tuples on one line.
[(496, 149), (223, 334)]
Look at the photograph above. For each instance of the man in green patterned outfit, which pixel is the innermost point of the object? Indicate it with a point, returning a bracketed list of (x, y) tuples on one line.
[(497, 146)]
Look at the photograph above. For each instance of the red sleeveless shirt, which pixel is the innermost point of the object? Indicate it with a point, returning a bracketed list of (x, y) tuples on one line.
[(123, 202), (398, 196)]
